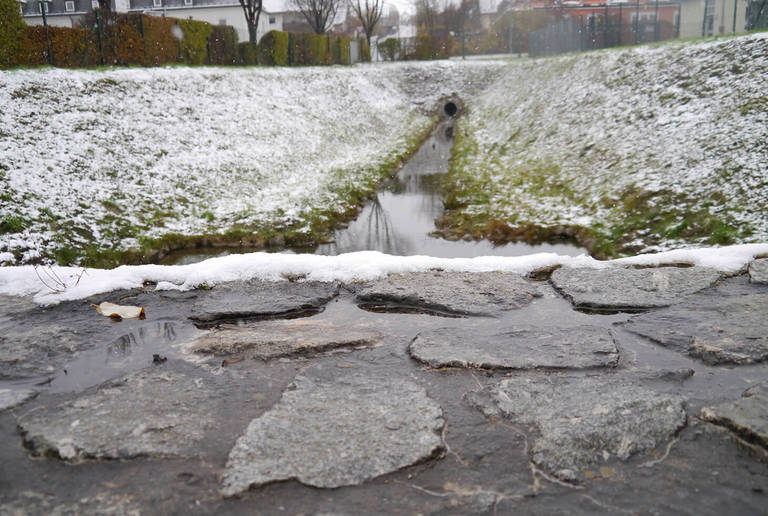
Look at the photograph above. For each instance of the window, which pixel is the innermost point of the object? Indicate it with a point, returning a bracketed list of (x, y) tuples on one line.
[(223, 21), (43, 5), (69, 6), (157, 3), (272, 20), (187, 2)]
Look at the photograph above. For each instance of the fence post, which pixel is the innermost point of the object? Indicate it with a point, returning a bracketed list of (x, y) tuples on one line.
[(44, 9), (621, 39), (101, 36), (656, 19), (637, 21)]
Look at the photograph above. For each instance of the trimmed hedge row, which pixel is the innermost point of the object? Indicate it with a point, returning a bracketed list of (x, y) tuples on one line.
[(295, 49), (126, 39), (137, 39)]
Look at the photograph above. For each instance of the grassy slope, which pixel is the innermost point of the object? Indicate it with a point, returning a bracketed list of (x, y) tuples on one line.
[(103, 167), (625, 150)]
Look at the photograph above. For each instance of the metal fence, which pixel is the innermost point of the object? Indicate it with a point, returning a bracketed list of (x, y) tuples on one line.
[(589, 28)]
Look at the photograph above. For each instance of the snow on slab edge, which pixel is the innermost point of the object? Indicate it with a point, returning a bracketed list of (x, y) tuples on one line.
[(364, 265)]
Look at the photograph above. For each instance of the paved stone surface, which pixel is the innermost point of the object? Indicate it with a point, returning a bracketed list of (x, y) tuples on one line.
[(486, 294), (548, 442), (150, 412), (747, 416), (262, 299), (716, 330), (517, 348), (618, 288), (10, 398), (758, 271), (585, 421), (274, 339), (336, 432)]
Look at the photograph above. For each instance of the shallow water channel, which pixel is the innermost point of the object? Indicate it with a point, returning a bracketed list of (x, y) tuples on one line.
[(401, 217)]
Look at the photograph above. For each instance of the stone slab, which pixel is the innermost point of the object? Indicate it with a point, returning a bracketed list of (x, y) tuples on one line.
[(758, 271), (332, 432), (256, 298), (10, 398), (517, 348), (714, 329), (747, 416), (618, 288), (585, 421), (272, 339), (148, 413), (483, 294), (28, 351)]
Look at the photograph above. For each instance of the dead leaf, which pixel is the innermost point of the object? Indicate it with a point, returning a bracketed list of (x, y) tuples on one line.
[(230, 361), (120, 312)]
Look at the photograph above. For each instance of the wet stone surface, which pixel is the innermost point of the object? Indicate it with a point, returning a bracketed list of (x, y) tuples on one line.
[(517, 348), (716, 330), (617, 288), (10, 398), (480, 294), (331, 432), (585, 421), (94, 424), (151, 412), (758, 271), (272, 339), (747, 416), (262, 299)]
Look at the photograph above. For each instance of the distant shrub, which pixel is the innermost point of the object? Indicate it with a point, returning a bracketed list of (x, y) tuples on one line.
[(11, 33), (194, 44), (247, 54), (273, 48), (222, 47), (365, 51), (389, 48)]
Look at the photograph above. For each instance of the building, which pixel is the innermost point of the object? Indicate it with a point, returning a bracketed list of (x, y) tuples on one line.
[(71, 13)]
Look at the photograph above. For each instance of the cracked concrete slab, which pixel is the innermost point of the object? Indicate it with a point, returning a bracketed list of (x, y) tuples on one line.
[(273, 339), (332, 432), (715, 330), (758, 271), (747, 417), (516, 348), (257, 298), (584, 421), (482, 294), (148, 413), (618, 288)]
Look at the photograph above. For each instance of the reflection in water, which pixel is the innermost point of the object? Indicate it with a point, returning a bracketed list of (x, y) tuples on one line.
[(401, 217), (124, 346)]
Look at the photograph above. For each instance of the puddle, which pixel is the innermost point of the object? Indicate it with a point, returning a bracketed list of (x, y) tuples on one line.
[(399, 220), (129, 352)]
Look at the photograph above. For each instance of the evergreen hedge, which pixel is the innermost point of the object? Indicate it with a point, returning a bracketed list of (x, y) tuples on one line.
[(247, 54), (194, 44), (222, 46), (11, 33), (273, 48)]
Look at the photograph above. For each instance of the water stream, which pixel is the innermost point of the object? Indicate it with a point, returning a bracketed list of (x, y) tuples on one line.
[(399, 220)]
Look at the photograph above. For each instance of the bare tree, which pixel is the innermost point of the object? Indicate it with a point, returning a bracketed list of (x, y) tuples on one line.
[(368, 12), (320, 14), (252, 10)]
